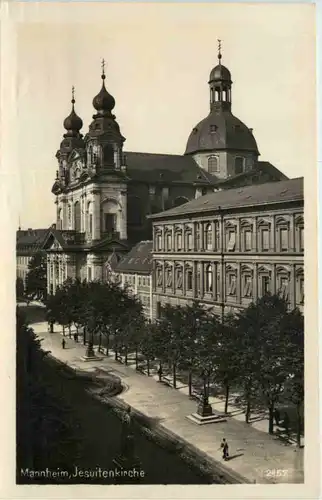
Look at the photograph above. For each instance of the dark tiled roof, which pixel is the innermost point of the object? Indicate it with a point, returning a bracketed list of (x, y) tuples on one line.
[(150, 168), (273, 192), (138, 260), (31, 237)]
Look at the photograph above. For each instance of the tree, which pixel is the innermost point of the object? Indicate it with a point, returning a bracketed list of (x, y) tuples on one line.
[(46, 426), (36, 279), (20, 288)]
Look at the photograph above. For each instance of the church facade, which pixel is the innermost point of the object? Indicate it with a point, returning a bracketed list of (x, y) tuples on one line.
[(104, 195)]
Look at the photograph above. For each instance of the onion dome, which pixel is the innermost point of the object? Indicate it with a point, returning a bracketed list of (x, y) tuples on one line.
[(103, 102), (73, 123)]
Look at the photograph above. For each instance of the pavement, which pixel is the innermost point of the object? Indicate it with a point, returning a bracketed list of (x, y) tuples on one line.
[(254, 454)]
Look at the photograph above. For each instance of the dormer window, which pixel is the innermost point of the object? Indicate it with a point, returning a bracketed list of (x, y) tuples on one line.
[(213, 129)]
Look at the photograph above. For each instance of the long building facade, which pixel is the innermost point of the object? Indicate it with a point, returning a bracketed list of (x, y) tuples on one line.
[(228, 248), (105, 195)]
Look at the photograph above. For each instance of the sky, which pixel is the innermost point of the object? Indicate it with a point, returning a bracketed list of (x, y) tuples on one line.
[(158, 60)]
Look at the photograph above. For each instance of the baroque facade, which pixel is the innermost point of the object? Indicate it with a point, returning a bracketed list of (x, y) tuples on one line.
[(104, 196), (228, 248)]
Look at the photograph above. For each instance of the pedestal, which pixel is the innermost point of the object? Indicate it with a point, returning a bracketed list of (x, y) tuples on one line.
[(90, 354), (204, 408), (210, 419)]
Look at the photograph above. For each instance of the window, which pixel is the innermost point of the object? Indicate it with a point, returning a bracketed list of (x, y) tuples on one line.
[(283, 288), (247, 240), (213, 128), (213, 164), (169, 241), (109, 223), (89, 274), (69, 214), (168, 277), (231, 240), (159, 276), (189, 279), (301, 239), (232, 284), (159, 241), (179, 277), (265, 285), (108, 154), (208, 233), (189, 241), (301, 289), (264, 240), (283, 239), (179, 240), (239, 165), (208, 279), (247, 286)]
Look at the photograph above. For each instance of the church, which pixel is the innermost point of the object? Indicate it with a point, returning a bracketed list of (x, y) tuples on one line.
[(104, 194)]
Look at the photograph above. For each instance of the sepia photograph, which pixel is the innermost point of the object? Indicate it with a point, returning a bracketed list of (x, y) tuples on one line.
[(163, 154)]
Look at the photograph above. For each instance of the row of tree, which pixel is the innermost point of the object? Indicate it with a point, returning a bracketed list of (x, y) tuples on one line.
[(260, 350)]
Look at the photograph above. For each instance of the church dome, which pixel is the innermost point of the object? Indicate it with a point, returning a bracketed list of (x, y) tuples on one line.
[(221, 130), (73, 123), (103, 101), (220, 73)]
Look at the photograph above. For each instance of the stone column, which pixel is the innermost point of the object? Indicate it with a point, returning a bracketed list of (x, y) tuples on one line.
[(214, 281), (174, 284), (238, 283), (292, 234), (194, 278), (194, 245), (96, 234), (255, 287), (184, 278), (202, 269), (202, 236), (292, 299), (163, 276), (273, 234), (213, 233), (254, 235), (273, 284), (238, 249), (123, 215)]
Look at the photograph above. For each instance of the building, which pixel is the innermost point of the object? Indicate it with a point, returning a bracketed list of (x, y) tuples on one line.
[(228, 248), (28, 243), (104, 195), (134, 271)]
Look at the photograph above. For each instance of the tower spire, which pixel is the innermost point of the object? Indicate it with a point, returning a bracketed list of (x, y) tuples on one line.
[(103, 70), (219, 50)]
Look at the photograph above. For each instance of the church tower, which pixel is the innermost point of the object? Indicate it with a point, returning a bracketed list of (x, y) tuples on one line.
[(221, 144)]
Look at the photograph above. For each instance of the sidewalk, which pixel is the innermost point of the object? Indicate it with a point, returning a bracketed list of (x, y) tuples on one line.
[(255, 454)]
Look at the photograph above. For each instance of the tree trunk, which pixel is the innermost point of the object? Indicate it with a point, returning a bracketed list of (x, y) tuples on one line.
[(271, 419), (227, 396), (107, 343), (190, 382), (64, 330), (69, 331), (160, 371), (115, 355), (99, 341), (148, 366), (136, 358), (247, 414), (84, 335), (125, 358), (298, 426), (174, 372)]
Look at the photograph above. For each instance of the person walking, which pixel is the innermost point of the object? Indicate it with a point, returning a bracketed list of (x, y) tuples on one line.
[(225, 449), (63, 343)]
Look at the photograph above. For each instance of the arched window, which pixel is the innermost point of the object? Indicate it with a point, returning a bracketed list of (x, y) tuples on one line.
[(169, 241), (189, 276), (179, 240), (209, 278), (90, 218), (77, 216), (239, 165), (108, 154), (208, 234), (213, 164)]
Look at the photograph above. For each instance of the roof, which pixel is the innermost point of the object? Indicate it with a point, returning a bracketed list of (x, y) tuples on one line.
[(260, 194), (70, 240), (152, 167), (267, 167), (138, 260), (31, 237), (221, 130)]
